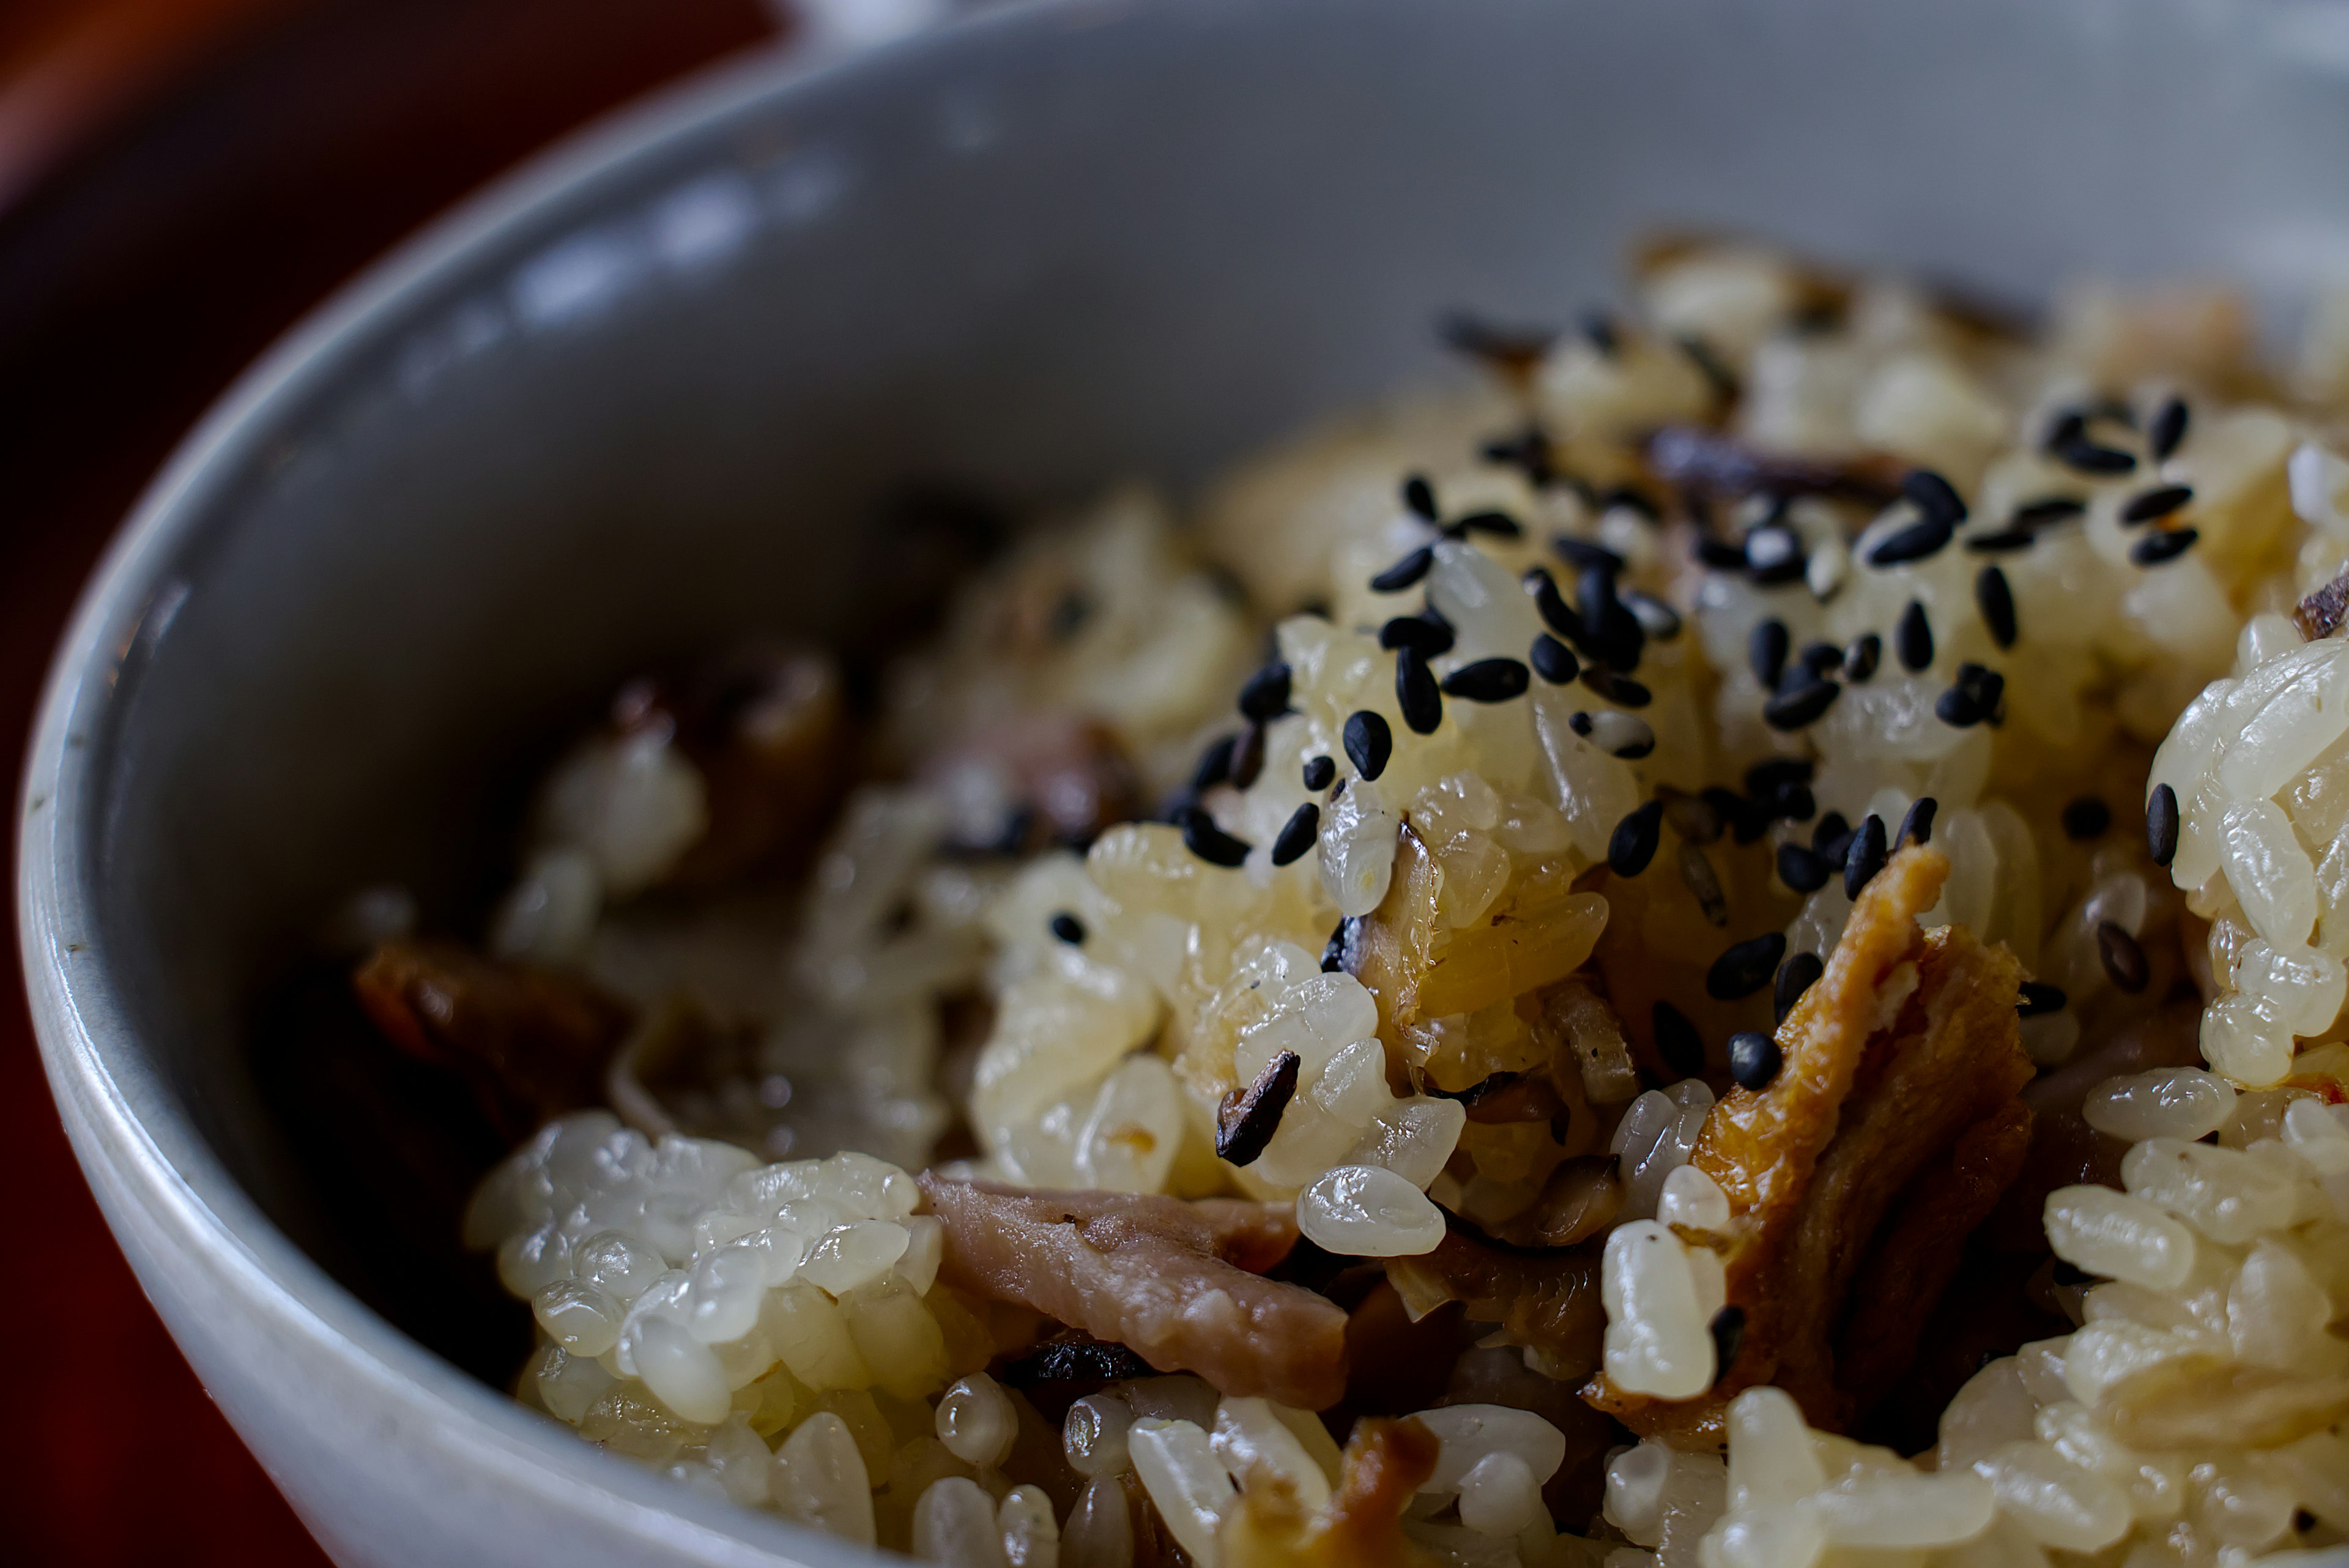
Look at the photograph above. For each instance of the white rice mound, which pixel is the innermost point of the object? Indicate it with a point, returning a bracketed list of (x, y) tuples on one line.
[(774, 1333)]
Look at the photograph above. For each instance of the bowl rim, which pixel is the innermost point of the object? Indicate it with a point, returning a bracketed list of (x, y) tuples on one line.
[(129, 1130)]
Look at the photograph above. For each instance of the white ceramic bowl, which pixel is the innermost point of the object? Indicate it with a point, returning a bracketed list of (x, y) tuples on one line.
[(638, 397)]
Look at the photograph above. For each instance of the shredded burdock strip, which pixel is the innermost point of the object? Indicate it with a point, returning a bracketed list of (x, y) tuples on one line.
[(1178, 1284)]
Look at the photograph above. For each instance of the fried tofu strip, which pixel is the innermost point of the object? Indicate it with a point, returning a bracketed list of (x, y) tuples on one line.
[(1384, 1465), (1178, 1284)]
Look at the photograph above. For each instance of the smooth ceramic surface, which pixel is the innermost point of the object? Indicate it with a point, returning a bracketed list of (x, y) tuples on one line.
[(641, 397)]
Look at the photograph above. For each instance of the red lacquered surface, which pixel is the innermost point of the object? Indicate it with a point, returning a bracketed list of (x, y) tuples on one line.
[(179, 180)]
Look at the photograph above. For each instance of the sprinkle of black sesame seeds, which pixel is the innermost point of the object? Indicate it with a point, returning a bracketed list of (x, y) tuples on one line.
[(1211, 844), (2048, 510), (1728, 1331), (2086, 818), (1919, 541), (1406, 572), (1754, 1060), (1620, 690), (1214, 764), (2086, 456), (2039, 997), (2001, 544), (1916, 827), (1553, 660), (1744, 968), (1265, 695), (1248, 1116), (1297, 835), (1795, 976), (1555, 613), (1633, 843), (1720, 555), (1933, 496), (1420, 497), (1487, 680), (1973, 698), (1599, 329), (1702, 883), (2161, 823), (2124, 960), (1247, 756), (1656, 618), (1772, 775), (1338, 953), (1912, 639), (1368, 743), (1677, 1041), (1765, 650), (1861, 658), (1068, 928), (2149, 505), (2162, 545), (2168, 428), (1430, 637), (1416, 692), (1865, 859), (1805, 704), (1582, 554), (1801, 869), (1995, 599), (1773, 554)]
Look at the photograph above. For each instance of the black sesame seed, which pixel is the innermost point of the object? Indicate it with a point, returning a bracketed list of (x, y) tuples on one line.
[(1773, 553), (1620, 690), (1555, 613), (2084, 456), (1728, 1331), (1995, 599), (1677, 1041), (1430, 637), (1416, 692), (1320, 771), (1420, 496), (1338, 954), (1068, 928), (1368, 743), (1912, 639), (1795, 976), (1744, 968), (1553, 660), (2039, 997), (1487, 680), (1860, 659), (1865, 859), (1406, 572), (2047, 510), (1916, 827), (1248, 1116), (2303, 1520), (1580, 722), (2163, 544), (1297, 835), (1599, 329), (2003, 543), (1771, 777), (2161, 823), (1720, 555), (1265, 695), (1826, 833), (1919, 541), (1211, 844), (1792, 709), (2146, 505), (1765, 650), (1499, 525), (1753, 1059), (1214, 764), (1613, 632), (1974, 696), (2168, 428), (1821, 658), (1933, 496), (1633, 843), (1801, 868), (1247, 756), (1580, 554), (2124, 960), (2086, 818), (1656, 618), (1075, 1361)]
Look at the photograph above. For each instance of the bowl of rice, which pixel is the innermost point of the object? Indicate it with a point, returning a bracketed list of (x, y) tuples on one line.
[(1264, 784)]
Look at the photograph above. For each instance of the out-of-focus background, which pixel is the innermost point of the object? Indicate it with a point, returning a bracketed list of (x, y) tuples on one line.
[(180, 180)]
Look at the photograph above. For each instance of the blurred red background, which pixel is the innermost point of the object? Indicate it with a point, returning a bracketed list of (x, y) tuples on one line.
[(179, 180)]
